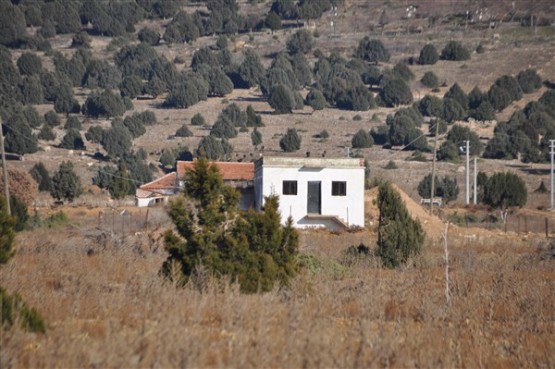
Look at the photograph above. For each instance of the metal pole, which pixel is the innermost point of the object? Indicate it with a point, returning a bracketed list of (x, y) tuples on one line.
[(475, 199), (5, 170), (467, 148), (552, 152), (432, 190)]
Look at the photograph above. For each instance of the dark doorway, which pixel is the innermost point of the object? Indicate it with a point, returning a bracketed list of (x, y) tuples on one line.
[(314, 198)]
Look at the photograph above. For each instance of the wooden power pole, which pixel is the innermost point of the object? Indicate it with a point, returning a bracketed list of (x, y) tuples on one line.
[(5, 170)]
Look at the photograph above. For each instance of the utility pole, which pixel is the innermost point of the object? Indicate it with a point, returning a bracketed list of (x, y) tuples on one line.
[(475, 199), (552, 152), (467, 149), (5, 170), (434, 170)]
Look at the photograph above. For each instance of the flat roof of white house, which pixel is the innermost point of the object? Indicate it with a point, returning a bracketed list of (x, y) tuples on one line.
[(292, 162)]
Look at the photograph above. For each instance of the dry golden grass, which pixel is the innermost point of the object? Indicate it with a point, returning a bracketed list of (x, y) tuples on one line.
[(106, 307)]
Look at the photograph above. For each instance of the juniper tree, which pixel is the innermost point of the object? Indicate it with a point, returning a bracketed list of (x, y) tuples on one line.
[(256, 137), (399, 236), (291, 141), (41, 176), (66, 185), (252, 249)]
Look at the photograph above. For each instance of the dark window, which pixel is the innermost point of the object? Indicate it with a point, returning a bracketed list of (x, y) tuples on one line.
[(289, 187), (339, 188)]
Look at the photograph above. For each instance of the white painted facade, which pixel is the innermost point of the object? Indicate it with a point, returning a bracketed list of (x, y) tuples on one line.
[(335, 198)]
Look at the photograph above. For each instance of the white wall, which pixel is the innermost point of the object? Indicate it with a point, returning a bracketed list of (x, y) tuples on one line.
[(349, 208)]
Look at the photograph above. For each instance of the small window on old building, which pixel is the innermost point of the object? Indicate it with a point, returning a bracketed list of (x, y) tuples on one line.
[(289, 187), (338, 188)]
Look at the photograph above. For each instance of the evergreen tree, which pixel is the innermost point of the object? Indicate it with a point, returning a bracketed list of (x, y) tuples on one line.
[(66, 185), (253, 249), (399, 236), (41, 176), (198, 120), (372, 51), (300, 42), (183, 131), (253, 119), (428, 55), (446, 188), (256, 137), (430, 80), (72, 140), (362, 140), (505, 190), (251, 70), (281, 99), (455, 51), (272, 21), (315, 99), (291, 141), (121, 184), (7, 234), (529, 80)]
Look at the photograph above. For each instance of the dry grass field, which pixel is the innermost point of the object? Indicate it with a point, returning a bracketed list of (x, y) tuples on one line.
[(95, 278), (106, 306)]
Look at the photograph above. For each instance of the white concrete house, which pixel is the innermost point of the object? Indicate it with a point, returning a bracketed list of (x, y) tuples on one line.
[(315, 192)]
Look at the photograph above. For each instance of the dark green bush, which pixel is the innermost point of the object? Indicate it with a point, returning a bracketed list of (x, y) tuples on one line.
[(428, 55), (505, 190), (291, 141), (254, 249), (372, 51), (362, 140), (455, 51), (399, 236), (430, 80)]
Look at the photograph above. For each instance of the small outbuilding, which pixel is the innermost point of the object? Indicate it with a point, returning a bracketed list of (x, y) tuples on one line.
[(236, 174), (315, 192)]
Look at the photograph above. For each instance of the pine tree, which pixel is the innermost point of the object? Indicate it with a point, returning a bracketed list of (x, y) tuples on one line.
[(399, 236)]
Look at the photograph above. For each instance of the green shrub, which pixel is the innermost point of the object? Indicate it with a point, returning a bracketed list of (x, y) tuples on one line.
[(183, 131), (362, 140), (391, 165), (428, 55), (198, 120), (446, 188), (253, 249), (399, 236), (430, 80), (455, 51), (72, 140), (504, 190), (291, 141), (372, 51)]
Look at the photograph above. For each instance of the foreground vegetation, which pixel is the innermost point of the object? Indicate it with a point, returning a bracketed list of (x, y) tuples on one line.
[(106, 306)]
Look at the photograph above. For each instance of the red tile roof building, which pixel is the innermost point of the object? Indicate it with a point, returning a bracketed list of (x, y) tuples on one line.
[(159, 190)]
